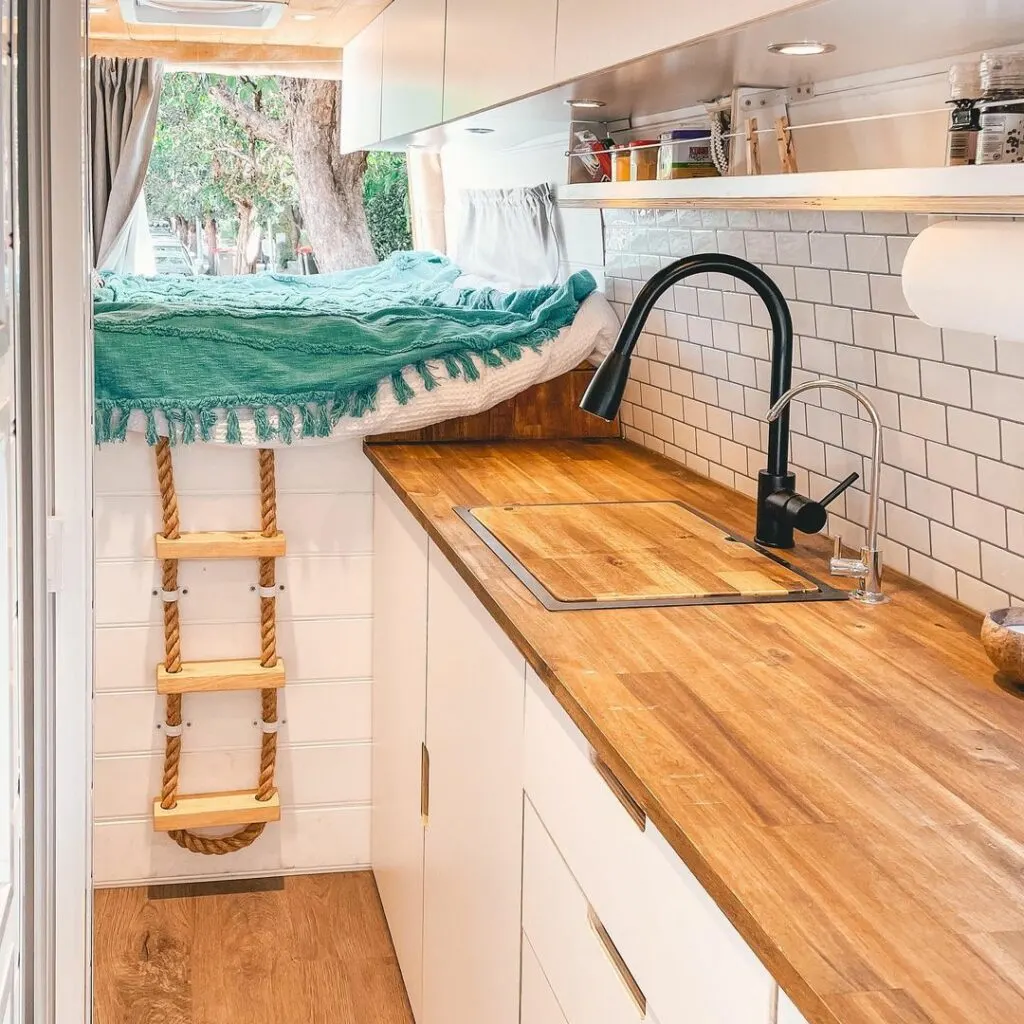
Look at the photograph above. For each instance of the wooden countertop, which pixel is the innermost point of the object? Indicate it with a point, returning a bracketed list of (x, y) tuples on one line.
[(846, 781)]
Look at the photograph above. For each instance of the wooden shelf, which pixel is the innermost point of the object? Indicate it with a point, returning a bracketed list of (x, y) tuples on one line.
[(951, 190), (209, 676), (221, 544), (209, 810)]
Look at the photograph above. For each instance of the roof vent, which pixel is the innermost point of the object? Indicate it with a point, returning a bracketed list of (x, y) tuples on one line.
[(255, 14)]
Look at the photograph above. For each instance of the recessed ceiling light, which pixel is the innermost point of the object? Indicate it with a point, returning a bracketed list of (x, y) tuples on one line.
[(585, 104), (802, 48), (304, 17), (480, 131)]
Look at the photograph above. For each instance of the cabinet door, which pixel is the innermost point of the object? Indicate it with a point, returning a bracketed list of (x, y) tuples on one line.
[(361, 78), (788, 1013), (595, 34), (413, 66), (539, 1003), (476, 683), (496, 51), (399, 721)]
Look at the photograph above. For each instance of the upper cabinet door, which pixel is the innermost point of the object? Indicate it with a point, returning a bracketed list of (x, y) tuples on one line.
[(413, 66), (595, 34), (495, 51), (361, 78)]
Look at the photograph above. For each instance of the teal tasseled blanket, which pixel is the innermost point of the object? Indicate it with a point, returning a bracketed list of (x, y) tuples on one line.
[(313, 347)]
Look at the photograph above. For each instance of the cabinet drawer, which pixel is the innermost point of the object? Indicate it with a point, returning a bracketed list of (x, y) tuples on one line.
[(539, 1004), (587, 976), (588, 818), (690, 962)]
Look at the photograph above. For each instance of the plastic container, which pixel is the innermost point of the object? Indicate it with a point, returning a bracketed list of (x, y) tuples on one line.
[(685, 153), (643, 160), (1002, 108), (621, 169), (965, 92)]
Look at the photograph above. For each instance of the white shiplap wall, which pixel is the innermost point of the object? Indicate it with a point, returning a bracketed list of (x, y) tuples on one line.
[(324, 621)]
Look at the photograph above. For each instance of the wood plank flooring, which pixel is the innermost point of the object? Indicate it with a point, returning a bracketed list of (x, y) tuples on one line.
[(315, 951)]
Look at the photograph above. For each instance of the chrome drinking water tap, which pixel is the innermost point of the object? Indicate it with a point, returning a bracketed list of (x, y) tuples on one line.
[(868, 568)]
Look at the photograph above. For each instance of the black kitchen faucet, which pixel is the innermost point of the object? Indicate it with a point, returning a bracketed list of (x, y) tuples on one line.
[(780, 509)]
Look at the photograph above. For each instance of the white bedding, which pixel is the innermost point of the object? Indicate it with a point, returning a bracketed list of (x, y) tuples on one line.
[(592, 333)]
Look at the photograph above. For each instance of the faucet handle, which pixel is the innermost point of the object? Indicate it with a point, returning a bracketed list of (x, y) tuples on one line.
[(838, 489)]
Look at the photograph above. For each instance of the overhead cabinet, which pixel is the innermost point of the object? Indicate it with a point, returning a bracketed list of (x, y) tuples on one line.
[(362, 70), (412, 67), (496, 51)]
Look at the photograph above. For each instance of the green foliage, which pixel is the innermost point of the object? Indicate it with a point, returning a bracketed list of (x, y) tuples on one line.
[(205, 163), (386, 199)]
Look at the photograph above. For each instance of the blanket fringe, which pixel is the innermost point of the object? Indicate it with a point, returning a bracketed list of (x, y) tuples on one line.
[(319, 415)]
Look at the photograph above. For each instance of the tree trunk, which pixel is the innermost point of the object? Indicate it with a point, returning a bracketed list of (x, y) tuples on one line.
[(210, 234), (330, 183), (241, 262)]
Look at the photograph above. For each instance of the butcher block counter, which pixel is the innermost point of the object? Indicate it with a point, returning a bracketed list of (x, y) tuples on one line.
[(845, 781)]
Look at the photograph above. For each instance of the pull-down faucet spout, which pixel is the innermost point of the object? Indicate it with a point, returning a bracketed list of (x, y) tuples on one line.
[(780, 509)]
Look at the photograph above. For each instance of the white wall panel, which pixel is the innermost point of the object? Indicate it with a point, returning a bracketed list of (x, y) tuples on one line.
[(311, 774), (324, 636), (306, 839)]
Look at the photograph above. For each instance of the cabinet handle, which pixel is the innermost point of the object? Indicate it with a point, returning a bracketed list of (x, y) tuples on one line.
[(424, 783), (619, 791), (624, 973)]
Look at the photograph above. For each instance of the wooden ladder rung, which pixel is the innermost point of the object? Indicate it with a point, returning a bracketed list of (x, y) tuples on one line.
[(205, 810), (208, 676), (221, 544)]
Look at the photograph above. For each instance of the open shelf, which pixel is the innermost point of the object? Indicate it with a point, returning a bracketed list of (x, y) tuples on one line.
[(950, 190), (204, 810)]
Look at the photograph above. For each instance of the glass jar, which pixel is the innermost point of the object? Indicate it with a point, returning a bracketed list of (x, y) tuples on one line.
[(965, 115), (1002, 108), (621, 170), (643, 160), (685, 153)]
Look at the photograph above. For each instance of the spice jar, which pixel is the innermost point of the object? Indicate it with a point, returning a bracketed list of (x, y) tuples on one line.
[(1002, 108), (643, 160), (621, 170), (965, 116), (685, 153)]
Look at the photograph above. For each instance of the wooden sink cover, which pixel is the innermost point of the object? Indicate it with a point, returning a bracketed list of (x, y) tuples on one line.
[(633, 550)]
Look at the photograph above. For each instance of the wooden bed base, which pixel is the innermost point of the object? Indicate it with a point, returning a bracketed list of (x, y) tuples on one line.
[(544, 412)]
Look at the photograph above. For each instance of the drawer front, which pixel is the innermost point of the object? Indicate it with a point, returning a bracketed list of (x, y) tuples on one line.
[(588, 978), (597, 835), (538, 1002), (692, 965)]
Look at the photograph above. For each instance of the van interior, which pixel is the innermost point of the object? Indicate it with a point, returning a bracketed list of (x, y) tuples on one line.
[(513, 513)]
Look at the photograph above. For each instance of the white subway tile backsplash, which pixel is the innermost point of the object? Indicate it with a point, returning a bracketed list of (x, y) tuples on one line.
[(868, 253), (951, 402), (828, 251)]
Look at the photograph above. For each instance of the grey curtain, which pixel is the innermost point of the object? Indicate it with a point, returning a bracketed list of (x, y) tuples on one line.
[(125, 96)]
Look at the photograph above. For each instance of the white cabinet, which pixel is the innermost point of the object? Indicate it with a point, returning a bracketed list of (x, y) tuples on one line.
[(361, 81), (539, 1003), (399, 719), (413, 66), (595, 34), (788, 1013), (473, 862), (495, 51)]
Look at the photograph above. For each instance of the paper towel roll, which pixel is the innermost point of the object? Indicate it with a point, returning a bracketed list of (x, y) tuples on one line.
[(968, 276)]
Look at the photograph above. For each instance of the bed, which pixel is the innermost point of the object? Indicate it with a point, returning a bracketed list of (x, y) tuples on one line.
[(276, 360)]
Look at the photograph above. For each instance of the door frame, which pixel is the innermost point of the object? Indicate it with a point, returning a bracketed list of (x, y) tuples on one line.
[(56, 297)]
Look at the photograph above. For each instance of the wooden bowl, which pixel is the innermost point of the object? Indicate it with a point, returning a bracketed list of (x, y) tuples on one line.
[(1002, 636)]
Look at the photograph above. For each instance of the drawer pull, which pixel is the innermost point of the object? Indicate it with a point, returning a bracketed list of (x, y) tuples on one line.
[(619, 791), (624, 973), (424, 783)]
